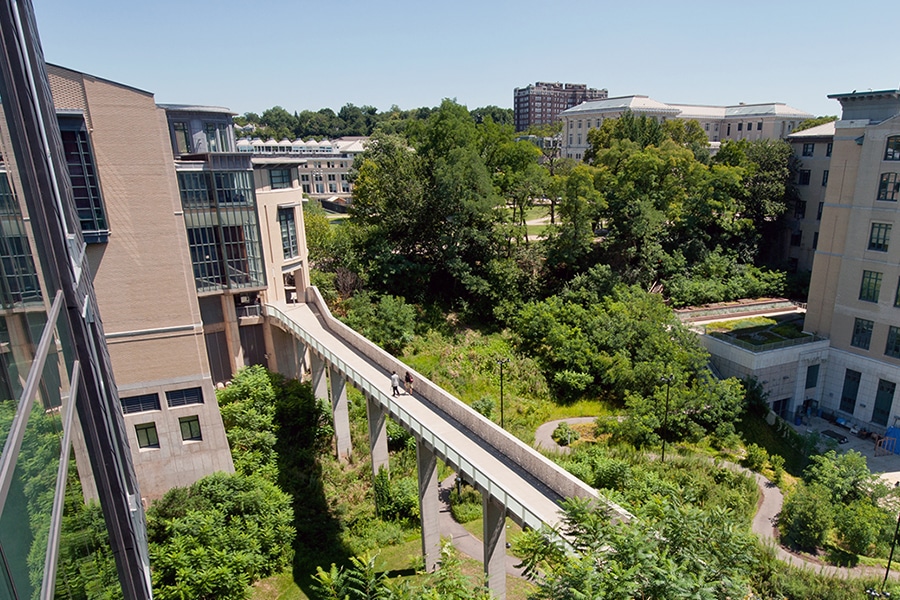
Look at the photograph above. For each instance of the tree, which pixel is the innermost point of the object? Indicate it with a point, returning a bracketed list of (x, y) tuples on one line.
[(211, 540), (571, 240), (846, 475), (807, 516), (389, 321), (248, 410), (815, 122)]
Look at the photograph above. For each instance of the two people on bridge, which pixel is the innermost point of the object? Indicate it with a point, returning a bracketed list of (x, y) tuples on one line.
[(395, 383)]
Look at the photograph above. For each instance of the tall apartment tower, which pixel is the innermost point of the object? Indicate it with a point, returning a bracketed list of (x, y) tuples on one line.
[(854, 296), (541, 103)]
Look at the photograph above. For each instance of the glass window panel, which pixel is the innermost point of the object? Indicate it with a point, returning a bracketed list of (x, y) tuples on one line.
[(889, 187), (190, 428), (184, 397), (879, 237), (870, 286), (862, 333)]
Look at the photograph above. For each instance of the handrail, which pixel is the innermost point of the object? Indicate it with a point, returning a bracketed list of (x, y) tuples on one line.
[(450, 455)]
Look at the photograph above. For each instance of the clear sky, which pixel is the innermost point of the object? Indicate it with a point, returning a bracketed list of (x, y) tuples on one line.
[(249, 56)]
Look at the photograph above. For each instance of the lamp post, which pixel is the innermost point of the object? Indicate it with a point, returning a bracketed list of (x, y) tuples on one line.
[(501, 362), (668, 380), (890, 558)]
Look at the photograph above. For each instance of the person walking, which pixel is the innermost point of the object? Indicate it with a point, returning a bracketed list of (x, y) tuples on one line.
[(395, 384), (408, 383)]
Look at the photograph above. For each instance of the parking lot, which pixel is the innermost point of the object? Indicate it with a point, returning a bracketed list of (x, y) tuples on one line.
[(887, 466)]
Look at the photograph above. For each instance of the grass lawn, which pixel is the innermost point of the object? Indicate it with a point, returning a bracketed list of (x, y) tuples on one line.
[(755, 430), (537, 212), (536, 230), (277, 587)]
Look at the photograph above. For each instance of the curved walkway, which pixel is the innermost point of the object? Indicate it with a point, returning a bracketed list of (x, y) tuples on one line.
[(464, 541), (770, 502)]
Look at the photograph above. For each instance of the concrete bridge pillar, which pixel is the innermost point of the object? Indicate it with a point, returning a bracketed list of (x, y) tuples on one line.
[(494, 545), (378, 446), (340, 414), (319, 384), (429, 505)]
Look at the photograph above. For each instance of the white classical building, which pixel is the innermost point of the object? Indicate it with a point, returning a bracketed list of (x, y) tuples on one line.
[(772, 120)]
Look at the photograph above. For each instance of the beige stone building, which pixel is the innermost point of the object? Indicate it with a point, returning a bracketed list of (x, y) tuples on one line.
[(853, 298), (116, 144), (812, 150), (772, 120)]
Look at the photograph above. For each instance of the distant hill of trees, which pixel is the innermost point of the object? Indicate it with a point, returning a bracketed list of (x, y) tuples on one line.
[(278, 123)]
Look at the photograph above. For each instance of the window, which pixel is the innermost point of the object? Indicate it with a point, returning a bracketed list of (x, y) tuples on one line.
[(897, 296), (281, 178), (182, 138), (815, 240), (819, 211), (304, 178), (812, 376), (828, 148), (740, 126), (83, 174), (808, 149), (288, 232), (825, 177), (759, 125), (800, 209), (570, 139), (892, 348), (331, 177), (870, 286), (862, 333), (851, 388), (879, 237), (579, 139), (184, 397), (190, 428), (892, 149), (803, 178), (889, 188), (146, 435), (796, 238), (142, 403)]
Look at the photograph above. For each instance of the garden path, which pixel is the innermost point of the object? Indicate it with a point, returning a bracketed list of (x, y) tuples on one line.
[(770, 503)]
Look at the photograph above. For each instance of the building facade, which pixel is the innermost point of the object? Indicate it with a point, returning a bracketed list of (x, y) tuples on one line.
[(542, 103), (115, 140), (812, 151), (853, 297), (57, 388), (737, 122), (323, 166)]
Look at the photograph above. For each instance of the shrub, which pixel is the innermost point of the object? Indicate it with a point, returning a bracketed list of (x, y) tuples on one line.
[(807, 516), (484, 407), (465, 503), (564, 434), (777, 463), (756, 459)]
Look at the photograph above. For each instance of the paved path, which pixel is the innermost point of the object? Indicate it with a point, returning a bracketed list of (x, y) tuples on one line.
[(464, 541), (770, 502)]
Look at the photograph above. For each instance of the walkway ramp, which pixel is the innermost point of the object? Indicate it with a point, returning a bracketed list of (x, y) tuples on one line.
[(527, 484)]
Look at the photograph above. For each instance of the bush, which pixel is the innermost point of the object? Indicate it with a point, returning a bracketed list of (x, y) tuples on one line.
[(465, 503), (807, 516), (860, 525), (396, 500), (564, 434), (756, 458), (777, 463), (484, 407)]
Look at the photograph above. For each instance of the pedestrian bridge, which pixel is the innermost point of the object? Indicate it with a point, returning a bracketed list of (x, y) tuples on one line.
[(514, 479)]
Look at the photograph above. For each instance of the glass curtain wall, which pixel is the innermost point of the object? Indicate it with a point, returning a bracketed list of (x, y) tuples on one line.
[(54, 366)]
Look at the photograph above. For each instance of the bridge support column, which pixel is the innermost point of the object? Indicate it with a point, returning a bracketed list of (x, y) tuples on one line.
[(429, 505), (340, 414), (319, 384), (378, 446), (494, 545)]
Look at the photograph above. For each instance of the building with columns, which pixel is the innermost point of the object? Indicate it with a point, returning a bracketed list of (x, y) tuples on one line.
[(772, 120)]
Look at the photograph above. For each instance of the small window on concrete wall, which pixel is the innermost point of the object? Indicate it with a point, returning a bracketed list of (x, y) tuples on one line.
[(146, 435), (190, 428), (184, 397), (812, 376)]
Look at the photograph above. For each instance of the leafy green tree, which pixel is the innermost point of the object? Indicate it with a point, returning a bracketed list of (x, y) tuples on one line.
[(570, 241), (807, 516), (860, 524), (389, 322), (210, 541), (247, 405), (815, 122), (845, 474)]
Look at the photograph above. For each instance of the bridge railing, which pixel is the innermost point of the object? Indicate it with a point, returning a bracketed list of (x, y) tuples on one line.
[(560, 481), (518, 511)]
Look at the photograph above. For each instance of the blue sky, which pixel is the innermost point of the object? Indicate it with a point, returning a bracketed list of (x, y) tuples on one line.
[(249, 56)]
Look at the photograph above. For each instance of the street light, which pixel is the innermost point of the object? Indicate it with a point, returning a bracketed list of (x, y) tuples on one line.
[(668, 380), (890, 558), (501, 362)]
